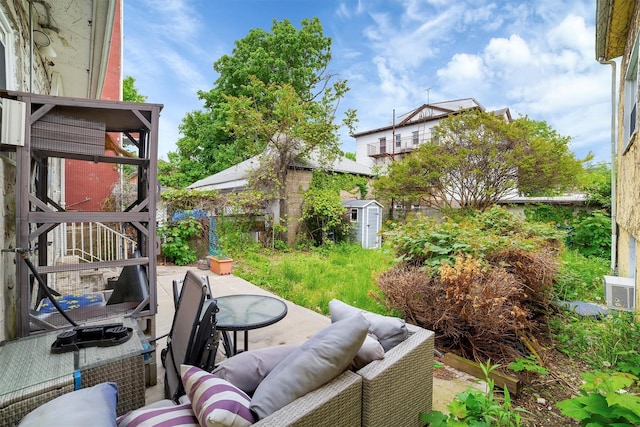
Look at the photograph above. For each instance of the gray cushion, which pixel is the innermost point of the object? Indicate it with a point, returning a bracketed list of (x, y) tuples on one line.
[(246, 370), (371, 350), (390, 331), (92, 406), (316, 362)]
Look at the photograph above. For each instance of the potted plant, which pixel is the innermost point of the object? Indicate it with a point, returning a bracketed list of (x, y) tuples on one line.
[(220, 264)]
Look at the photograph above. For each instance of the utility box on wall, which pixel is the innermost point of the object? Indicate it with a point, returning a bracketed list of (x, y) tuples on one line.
[(366, 218)]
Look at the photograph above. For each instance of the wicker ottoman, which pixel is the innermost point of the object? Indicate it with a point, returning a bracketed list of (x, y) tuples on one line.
[(31, 375)]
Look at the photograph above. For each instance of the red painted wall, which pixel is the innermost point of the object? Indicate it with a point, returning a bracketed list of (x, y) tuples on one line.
[(89, 184)]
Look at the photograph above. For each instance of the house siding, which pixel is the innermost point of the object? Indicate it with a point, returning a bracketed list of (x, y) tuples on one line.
[(628, 179), (14, 15)]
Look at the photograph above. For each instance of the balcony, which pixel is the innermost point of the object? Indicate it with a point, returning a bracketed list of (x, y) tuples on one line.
[(401, 146)]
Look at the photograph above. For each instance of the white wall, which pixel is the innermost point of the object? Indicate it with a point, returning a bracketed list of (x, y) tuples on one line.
[(406, 132)]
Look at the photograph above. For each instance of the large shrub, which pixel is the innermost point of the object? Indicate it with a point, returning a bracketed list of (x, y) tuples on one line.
[(482, 283), (428, 241)]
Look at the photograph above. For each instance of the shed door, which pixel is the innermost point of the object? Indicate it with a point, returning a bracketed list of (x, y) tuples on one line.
[(372, 240)]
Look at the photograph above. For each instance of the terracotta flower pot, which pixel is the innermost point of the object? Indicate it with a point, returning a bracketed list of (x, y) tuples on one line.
[(220, 265)]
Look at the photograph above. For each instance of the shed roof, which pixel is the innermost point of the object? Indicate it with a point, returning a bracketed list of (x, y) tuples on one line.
[(235, 177), (359, 203)]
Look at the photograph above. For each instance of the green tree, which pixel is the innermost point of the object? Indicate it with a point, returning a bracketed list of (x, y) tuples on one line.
[(597, 185), (284, 56), (476, 158), (130, 92), (291, 127)]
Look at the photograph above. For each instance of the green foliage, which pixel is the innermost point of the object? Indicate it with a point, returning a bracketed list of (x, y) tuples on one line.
[(176, 236), (602, 403), (186, 200), (529, 364), (460, 166), (340, 182), (234, 235), (312, 278), (262, 66), (324, 214), (130, 92), (592, 235), (610, 342), (597, 185), (424, 240), (547, 167), (580, 277), (475, 408), (589, 233), (349, 155), (541, 212)]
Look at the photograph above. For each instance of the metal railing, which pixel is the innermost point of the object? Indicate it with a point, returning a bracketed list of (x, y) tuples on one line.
[(93, 242), (399, 146)]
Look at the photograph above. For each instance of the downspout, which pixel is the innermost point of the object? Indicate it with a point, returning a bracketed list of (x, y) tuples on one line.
[(614, 162), (30, 46)]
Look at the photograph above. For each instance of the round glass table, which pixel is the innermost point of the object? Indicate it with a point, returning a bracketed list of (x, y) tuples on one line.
[(243, 312)]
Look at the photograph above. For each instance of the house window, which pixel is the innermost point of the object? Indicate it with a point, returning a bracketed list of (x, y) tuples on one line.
[(398, 140), (415, 138), (383, 145), (631, 98), (6, 41), (354, 215)]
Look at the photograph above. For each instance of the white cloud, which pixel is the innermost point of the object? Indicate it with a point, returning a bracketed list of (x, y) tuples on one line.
[(464, 73), (511, 53)]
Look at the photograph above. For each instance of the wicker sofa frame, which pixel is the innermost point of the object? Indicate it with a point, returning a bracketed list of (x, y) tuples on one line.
[(392, 391)]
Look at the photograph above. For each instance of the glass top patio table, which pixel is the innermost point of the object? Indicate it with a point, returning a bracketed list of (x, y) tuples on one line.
[(243, 312)]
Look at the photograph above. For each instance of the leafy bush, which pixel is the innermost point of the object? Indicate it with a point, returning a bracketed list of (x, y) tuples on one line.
[(176, 236), (426, 241), (547, 213), (325, 216), (604, 402), (592, 235)]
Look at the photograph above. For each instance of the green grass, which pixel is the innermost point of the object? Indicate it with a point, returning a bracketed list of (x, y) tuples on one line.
[(347, 272), (580, 278), (312, 278), (608, 343)]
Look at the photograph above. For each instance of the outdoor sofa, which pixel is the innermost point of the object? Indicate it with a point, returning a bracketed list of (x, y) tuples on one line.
[(391, 391)]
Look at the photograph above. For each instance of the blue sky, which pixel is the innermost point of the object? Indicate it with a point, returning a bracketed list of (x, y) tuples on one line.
[(535, 57)]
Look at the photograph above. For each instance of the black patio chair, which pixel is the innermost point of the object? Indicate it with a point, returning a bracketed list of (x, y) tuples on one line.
[(193, 339)]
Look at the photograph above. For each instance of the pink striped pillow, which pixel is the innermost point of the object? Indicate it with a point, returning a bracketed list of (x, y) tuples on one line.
[(164, 416), (216, 402)]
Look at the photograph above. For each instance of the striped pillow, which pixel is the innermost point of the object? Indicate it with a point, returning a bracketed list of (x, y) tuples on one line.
[(216, 402), (164, 416)]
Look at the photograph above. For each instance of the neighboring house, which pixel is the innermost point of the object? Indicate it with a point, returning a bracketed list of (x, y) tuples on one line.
[(617, 36), (49, 47), (234, 180), (379, 147)]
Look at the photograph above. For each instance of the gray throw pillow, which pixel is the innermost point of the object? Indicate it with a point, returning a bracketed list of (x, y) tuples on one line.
[(390, 331), (247, 369), (92, 406), (371, 350), (316, 362)]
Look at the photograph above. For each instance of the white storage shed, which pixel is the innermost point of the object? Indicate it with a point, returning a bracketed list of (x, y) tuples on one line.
[(366, 217)]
